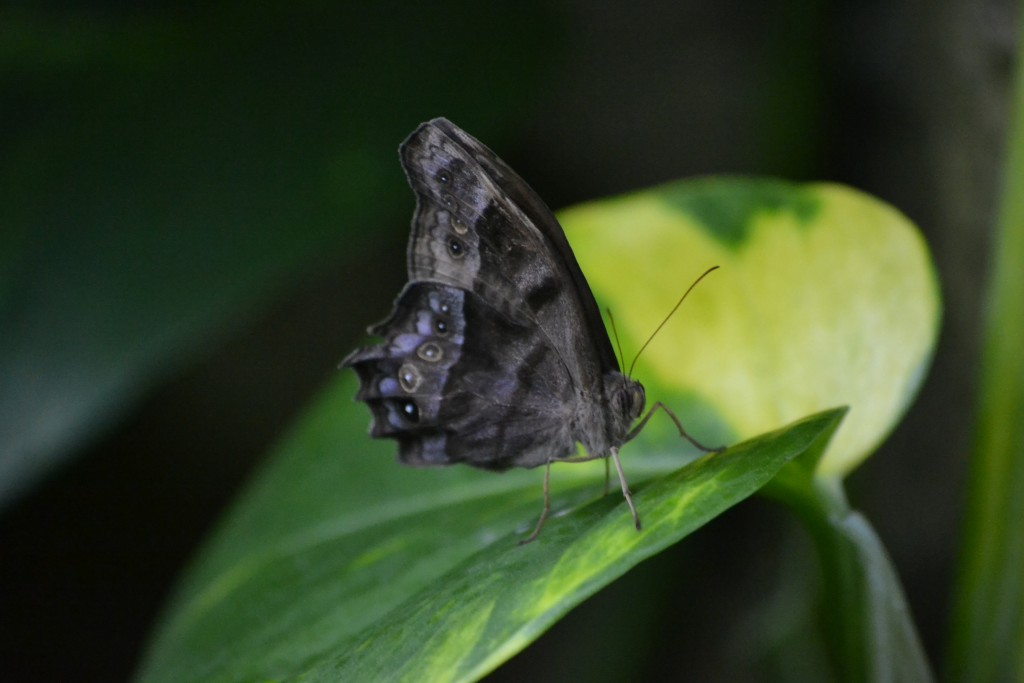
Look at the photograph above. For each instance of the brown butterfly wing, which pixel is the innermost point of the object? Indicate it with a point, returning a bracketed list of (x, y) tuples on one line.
[(495, 354), (479, 226)]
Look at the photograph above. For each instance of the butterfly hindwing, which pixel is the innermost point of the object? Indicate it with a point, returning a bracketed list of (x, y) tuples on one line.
[(449, 394)]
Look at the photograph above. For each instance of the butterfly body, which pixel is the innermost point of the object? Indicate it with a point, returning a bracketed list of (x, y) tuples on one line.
[(495, 354)]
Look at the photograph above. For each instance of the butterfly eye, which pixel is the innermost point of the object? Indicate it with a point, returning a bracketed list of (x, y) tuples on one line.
[(444, 177), (456, 248), (638, 398), (441, 325), (448, 200), (459, 225)]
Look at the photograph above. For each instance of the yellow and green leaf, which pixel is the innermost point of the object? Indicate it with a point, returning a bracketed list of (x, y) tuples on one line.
[(825, 297)]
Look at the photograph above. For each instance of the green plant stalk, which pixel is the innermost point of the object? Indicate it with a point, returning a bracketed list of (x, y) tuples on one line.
[(987, 635), (865, 618)]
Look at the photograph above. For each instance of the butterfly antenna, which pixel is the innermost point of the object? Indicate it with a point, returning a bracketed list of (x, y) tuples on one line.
[(670, 314), (615, 333)]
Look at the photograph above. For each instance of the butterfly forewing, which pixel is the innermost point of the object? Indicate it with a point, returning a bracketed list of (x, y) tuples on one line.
[(470, 231), (515, 192)]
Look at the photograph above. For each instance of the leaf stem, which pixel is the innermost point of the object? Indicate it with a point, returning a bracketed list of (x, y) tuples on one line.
[(987, 636)]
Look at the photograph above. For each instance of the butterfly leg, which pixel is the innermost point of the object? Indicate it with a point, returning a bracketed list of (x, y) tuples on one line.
[(547, 506), (625, 488), (679, 425), (607, 477), (622, 480)]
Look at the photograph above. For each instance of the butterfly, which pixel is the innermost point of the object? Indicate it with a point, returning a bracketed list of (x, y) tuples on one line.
[(495, 354)]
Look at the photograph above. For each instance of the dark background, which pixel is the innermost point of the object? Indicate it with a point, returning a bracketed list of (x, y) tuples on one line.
[(294, 114)]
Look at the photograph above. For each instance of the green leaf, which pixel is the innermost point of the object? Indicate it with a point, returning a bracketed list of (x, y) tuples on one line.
[(825, 297), (339, 567), (177, 170)]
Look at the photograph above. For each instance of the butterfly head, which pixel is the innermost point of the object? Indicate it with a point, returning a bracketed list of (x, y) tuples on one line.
[(626, 397)]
